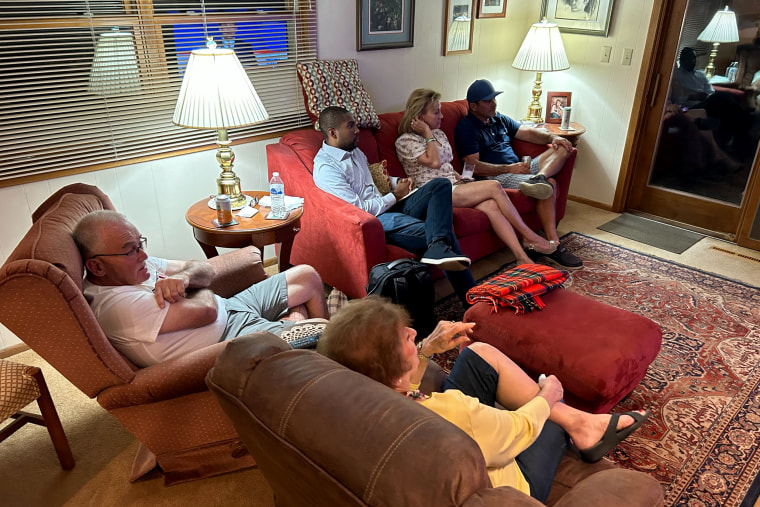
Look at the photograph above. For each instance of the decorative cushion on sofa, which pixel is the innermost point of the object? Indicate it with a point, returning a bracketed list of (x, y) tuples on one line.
[(336, 83), (380, 176)]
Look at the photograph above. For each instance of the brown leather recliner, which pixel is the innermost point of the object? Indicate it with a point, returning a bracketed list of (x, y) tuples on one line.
[(167, 406), (324, 435)]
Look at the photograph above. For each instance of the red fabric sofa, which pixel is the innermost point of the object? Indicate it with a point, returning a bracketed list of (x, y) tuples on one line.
[(343, 242)]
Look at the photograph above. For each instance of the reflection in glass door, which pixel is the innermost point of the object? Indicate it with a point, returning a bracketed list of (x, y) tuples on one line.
[(696, 148), (709, 129)]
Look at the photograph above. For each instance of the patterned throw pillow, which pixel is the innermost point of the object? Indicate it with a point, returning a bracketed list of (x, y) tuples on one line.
[(336, 83), (380, 176)]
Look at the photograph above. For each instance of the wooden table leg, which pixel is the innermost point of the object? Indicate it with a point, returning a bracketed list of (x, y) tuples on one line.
[(285, 248), (286, 244), (208, 250)]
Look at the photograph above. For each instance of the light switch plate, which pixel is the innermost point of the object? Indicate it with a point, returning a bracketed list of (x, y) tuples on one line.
[(606, 52), (627, 56)]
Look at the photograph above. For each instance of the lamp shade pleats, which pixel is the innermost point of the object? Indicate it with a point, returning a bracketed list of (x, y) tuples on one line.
[(542, 50), (722, 28), (114, 66), (216, 93)]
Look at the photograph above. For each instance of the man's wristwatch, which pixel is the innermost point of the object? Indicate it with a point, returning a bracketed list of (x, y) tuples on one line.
[(420, 354)]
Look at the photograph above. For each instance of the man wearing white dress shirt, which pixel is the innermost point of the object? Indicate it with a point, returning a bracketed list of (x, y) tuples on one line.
[(420, 222)]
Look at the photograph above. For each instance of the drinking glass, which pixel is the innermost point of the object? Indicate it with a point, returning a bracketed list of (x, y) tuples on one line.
[(467, 171)]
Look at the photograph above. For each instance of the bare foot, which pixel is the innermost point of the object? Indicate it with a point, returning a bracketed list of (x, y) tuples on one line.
[(592, 431), (523, 259)]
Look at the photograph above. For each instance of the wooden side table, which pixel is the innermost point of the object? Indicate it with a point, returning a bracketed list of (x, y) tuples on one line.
[(256, 231), (571, 135)]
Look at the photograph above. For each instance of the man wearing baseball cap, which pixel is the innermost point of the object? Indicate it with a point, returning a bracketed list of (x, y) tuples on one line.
[(483, 138)]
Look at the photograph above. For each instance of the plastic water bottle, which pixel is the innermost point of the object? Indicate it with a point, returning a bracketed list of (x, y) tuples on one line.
[(731, 71), (277, 194)]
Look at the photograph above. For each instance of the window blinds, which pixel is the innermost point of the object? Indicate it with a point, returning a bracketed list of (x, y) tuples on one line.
[(94, 83)]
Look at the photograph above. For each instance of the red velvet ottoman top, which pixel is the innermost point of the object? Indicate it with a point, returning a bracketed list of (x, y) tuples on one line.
[(598, 352)]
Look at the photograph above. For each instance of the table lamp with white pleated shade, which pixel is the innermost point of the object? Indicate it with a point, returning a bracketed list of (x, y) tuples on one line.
[(721, 29), (217, 94), (541, 51)]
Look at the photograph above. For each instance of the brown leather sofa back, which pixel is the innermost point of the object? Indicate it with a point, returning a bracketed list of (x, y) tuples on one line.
[(323, 435), (297, 411)]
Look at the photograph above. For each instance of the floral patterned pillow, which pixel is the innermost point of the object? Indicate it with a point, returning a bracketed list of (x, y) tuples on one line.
[(380, 176), (336, 83)]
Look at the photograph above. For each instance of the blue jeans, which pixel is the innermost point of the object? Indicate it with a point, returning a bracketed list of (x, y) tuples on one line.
[(426, 216), (421, 218), (473, 376)]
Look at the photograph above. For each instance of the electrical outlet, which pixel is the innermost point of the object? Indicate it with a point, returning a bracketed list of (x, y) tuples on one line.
[(627, 56), (606, 52)]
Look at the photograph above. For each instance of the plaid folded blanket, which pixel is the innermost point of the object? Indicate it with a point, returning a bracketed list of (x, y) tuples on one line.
[(519, 288)]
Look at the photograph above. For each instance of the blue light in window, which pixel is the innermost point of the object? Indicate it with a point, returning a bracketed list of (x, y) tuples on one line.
[(262, 43)]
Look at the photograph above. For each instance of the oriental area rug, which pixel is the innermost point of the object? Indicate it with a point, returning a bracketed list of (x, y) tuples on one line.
[(703, 389)]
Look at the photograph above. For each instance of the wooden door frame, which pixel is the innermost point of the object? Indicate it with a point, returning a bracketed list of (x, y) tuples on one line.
[(649, 90), (750, 210), (651, 93)]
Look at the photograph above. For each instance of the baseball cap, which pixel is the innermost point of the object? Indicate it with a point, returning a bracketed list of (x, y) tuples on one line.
[(482, 89)]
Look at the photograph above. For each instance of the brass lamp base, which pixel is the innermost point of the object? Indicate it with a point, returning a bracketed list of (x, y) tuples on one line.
[(535, 110), (710, 69), (228, 182)]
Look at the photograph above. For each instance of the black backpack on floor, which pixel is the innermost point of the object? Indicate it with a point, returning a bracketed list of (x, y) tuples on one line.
[(408, 283)]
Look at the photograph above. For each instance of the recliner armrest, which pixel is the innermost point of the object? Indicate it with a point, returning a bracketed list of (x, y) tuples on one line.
[(163, 381), (237, 270)]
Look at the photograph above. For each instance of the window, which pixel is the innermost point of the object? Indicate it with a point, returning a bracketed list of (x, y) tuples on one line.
[(61, 112)]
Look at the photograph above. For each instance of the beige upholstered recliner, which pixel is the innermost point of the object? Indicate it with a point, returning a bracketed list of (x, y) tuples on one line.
[(166, 406), (324, 435)]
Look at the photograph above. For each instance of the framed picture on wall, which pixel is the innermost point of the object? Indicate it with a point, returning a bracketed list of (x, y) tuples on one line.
[(458, 25), (589, 17), (555, 101), (492, 8), (384, 24)]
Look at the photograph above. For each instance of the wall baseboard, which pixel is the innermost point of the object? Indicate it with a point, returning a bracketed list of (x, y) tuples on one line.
[(589, 202), (13, 350)]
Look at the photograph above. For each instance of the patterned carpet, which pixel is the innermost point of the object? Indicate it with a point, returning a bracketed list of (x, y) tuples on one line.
[(703, 388)]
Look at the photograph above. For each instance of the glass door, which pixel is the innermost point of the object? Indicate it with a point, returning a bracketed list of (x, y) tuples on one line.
[(699, 143)]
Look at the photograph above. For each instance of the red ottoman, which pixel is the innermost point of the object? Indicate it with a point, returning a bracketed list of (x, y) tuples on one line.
[(598, 352)]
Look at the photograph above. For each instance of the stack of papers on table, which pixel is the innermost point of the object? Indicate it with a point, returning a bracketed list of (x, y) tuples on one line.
[(291, 202)]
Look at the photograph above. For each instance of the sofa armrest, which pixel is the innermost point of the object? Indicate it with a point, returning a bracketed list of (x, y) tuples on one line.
[(344, 252), (237, 270), (527, 148), (563, 177), (163, 381)]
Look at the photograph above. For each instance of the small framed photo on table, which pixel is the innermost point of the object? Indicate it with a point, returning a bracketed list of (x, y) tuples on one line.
[(555, 102)]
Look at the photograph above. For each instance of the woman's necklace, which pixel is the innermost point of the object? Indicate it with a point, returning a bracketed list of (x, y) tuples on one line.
[(416, 395)]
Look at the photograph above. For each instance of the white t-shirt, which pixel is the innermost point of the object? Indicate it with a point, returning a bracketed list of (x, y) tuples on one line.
[(131, 319)]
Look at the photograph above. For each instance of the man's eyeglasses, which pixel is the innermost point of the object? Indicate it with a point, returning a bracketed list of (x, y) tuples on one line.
[(142, 245)]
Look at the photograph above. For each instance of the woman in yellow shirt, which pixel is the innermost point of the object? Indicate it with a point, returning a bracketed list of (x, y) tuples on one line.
[(522, 445)]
